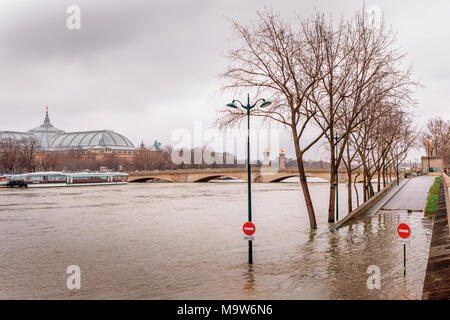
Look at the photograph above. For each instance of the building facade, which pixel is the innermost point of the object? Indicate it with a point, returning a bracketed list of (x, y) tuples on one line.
[(93, 144), (436, 164)]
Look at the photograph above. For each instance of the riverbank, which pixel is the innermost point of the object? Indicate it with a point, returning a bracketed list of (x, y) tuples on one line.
[(437, 277), (433, 195)]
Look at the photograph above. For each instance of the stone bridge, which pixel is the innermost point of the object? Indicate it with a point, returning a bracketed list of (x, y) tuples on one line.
[(262, 175)]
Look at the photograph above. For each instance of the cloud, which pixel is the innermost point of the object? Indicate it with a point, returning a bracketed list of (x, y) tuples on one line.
[(146, 68)]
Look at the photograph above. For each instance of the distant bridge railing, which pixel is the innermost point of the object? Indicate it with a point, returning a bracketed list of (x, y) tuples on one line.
[(231, 170), (260, 174)]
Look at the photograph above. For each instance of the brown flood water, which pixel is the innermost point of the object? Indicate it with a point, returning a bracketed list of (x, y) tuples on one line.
[(185, 241)]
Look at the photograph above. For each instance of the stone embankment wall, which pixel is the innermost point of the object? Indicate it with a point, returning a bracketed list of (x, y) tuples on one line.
[(366, 206), (437, 278)]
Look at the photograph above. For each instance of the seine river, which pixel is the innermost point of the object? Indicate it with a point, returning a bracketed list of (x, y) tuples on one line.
[(185, 241)]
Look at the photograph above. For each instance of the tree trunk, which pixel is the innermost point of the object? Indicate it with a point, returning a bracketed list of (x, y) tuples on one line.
[(365, 185), (349, 191), (378, 180), (356, 190), (349, 182), (333, 182), (304, 184)]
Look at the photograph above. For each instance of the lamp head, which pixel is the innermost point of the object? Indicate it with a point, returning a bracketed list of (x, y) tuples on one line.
[(232, 105), (265, 104)]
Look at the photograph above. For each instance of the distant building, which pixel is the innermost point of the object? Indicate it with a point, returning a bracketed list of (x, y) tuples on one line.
[(45, 133), (47, 138), (437, 164)]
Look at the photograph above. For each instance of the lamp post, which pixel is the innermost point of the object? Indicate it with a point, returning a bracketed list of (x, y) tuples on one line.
[(397, 173), (397, 156), (428, 153), (248, 107)]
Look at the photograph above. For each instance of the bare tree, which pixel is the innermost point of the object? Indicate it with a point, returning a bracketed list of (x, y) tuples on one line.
[(362, 68), (9, 155), (284, 65), (336, 77), (28, 154), (436, 136), (17, 155)]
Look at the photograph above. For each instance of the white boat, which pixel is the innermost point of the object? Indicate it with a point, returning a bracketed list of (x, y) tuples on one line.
[(60, 179), (4, 180)]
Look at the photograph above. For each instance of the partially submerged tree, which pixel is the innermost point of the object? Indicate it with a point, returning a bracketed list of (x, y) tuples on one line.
[(362, 70), (338, 78), (285, 66)]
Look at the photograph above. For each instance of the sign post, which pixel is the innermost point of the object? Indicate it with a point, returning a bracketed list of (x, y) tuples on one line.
[(404, 232), (249, 230)]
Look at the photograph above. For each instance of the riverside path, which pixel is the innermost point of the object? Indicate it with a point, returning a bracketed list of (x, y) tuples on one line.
[(412, 196)]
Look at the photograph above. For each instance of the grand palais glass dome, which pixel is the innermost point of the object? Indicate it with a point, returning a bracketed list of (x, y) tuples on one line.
[(16, 136), (48, 138), (91, 140)]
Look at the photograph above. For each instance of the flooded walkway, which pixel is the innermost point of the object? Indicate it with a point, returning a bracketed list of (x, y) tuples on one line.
[(411, 197)]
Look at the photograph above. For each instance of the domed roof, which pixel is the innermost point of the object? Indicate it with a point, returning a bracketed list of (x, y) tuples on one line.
[(16, 136), (46, 126), (104, 139), (45, 132)]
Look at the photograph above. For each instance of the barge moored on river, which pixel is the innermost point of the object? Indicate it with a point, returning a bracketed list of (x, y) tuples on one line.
[(3, 180), (60, 179)]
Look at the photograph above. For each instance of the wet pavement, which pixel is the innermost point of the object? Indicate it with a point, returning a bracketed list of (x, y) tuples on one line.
[(412, 196)]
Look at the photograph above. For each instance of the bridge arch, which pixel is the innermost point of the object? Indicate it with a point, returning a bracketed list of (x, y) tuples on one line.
[(147, 179), (212, 177), (284, 178)]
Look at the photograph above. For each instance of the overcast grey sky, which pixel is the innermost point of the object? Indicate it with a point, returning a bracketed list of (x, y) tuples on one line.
[(146, 68)]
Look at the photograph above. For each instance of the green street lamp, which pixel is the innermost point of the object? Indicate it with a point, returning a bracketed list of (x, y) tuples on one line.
[(248, 107), (398, 177), (397, 164), (428, 152)]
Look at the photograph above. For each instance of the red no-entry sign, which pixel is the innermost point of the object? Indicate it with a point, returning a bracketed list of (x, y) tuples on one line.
[(248, 228), (403, 231)]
